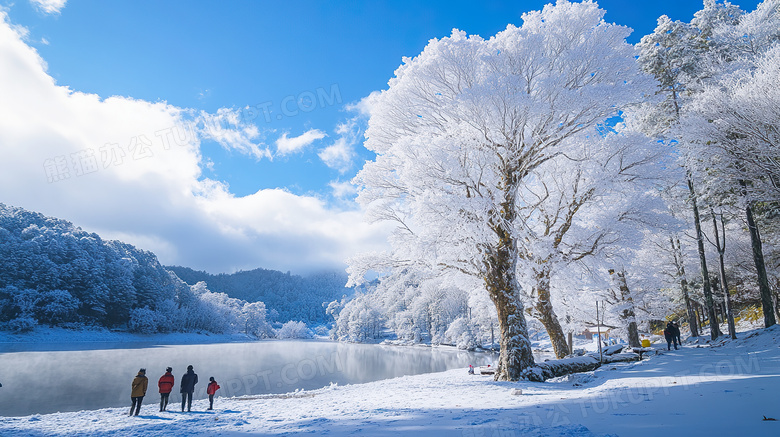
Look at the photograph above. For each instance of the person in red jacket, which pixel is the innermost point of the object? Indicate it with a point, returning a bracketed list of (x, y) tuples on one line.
[(166, 385), (210, 390)]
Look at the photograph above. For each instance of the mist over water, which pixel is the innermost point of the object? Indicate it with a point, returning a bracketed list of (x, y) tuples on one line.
[(39, 382)]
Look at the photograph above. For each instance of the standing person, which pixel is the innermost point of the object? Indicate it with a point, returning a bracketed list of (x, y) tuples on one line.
[(140, 382), (677, 333), (669, 336), (188, 382), (165, 385), (211, 390)]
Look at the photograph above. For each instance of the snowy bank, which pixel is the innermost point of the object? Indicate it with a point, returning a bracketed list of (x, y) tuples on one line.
[(699, 390)]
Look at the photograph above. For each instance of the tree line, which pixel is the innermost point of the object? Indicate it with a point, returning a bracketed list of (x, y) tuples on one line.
[(288, 297)]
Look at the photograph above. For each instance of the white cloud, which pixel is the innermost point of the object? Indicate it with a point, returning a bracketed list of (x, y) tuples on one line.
[(227, 128), (341, 153), (202, 95), (364, 105), (338, 155), (131, 169), (342, 189), (286, 145), (49, 6)]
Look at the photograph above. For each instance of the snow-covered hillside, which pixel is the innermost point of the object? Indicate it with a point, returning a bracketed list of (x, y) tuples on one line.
[(725, 388), (53, 273)]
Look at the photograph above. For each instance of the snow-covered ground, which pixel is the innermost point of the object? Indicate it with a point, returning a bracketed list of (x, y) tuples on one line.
[(702, 389)]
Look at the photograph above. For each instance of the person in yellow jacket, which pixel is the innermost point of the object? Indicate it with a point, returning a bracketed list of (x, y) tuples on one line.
[(140, 382)]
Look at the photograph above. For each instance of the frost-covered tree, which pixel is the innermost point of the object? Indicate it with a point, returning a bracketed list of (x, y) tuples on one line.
[(254, 315), (293, 329), (143, 321), (719, 234), (674, 252), (623, 299), (463, 127), (359, 320), (461, 334)]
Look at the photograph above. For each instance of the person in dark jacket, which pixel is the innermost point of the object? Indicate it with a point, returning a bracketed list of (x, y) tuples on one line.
[(669, 336), (140, 382), (165, 384), (188, 382), (677, 333), (211, 390)]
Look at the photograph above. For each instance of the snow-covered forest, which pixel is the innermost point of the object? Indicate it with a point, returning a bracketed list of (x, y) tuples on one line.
[(53, 273), (554, 165), (287, 296)]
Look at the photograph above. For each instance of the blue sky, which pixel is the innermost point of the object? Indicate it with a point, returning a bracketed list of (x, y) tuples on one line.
[(208, 55), (299, 66)]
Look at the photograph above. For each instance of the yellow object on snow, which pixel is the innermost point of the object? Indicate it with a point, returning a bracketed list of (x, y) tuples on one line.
[(645, 342)]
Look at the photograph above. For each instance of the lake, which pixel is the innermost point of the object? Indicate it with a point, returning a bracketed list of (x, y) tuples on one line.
[(47, 380)]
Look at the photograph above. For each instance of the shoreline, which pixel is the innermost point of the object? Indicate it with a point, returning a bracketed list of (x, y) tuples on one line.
[(62, 339)]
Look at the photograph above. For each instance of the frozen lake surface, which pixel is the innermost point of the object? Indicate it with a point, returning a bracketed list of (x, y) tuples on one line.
[(51, 378)]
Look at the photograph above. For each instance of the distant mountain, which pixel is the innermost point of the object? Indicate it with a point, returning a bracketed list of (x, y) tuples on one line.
[(292, 297), (54, 273)]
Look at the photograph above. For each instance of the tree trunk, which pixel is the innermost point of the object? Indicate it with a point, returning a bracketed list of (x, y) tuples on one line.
[(501, 283), (721, 246), (693, 319), (546, 315), (763, 281), (700, 314), (710, 304), (628, 315), (516, 354)]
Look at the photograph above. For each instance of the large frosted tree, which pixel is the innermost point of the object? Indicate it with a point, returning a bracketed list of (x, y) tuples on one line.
[(463, 128)]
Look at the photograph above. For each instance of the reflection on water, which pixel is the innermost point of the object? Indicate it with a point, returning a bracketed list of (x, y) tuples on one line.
[(51, 381)]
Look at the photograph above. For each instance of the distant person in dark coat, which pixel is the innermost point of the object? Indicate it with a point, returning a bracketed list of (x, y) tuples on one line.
[(669, 336), (139, 391), (188, 382), (211, 390), (165, 385), (677, 333)]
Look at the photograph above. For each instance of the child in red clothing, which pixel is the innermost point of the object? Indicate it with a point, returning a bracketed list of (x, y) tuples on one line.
[(210, 390)]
